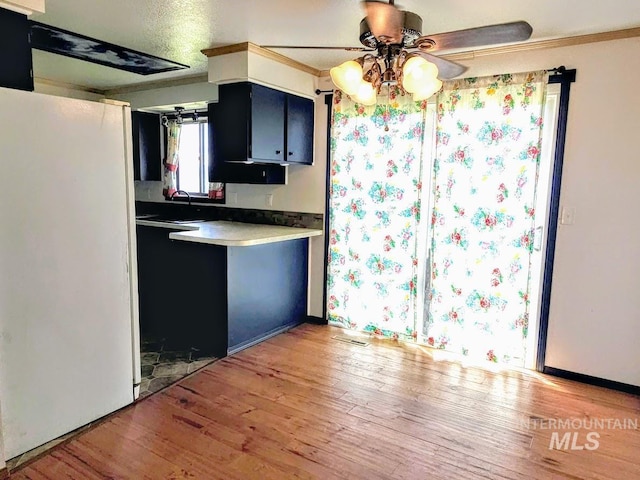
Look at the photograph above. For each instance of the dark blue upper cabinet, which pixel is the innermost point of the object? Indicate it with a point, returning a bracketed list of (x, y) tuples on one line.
[(253, 123), (268, 112), (299, 136), (147, 146), (15, 51)]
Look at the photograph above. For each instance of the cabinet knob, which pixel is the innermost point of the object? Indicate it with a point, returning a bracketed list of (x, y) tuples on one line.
[(278, 152), (290, 153)]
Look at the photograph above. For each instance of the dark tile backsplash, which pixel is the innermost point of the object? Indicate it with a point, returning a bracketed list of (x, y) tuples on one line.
[(267, 217)]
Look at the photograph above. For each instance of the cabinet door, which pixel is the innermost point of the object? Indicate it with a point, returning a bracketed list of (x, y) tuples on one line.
[(225, 142), (299, 130), (267, 124), (156, 314), (147, 148), (15, 51), (229, 120)]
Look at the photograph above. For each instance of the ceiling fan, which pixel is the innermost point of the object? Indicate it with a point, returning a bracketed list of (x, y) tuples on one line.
[(393, 38)]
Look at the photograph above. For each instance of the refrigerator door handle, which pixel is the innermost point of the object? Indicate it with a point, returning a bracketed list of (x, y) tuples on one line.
[(537, 238)]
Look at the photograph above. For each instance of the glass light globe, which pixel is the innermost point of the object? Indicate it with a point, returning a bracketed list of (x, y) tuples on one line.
[(427, 90), (416, 72), (347, 77), (366, 94)]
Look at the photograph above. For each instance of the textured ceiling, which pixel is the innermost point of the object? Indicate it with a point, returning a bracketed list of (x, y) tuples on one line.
[(179, 29)]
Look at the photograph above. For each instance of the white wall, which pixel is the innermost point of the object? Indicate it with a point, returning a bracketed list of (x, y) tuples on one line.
[(179, 93), (249, 66), (594, 324), (64, 90)]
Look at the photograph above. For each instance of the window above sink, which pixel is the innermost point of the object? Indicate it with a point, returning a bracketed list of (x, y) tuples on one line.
[(193, 151)]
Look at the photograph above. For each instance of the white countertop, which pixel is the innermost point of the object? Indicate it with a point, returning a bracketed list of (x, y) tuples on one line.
[(231, 234)]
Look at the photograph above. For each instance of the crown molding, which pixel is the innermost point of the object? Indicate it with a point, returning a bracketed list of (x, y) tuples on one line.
[(264, 52), (25, 7), (538, 45), (226, 49)]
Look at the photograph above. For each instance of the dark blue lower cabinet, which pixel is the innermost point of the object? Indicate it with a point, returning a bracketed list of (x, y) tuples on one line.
[(266, 290), (220, 299), (223, 299), (199, 291), (182, 292)]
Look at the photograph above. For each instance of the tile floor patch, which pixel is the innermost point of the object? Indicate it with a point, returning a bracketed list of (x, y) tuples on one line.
[(170, 369), (149, 358), (163, 365), (174, 357)]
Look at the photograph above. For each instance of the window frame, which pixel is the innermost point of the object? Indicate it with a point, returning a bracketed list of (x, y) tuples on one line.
[(203, 152), (198, 197)]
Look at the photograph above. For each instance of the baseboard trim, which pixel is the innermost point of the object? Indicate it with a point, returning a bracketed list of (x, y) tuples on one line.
[(262, 338), (599, 382), (316, 320)]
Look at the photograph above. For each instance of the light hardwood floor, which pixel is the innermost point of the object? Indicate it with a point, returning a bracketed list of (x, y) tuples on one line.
[(305, 405)]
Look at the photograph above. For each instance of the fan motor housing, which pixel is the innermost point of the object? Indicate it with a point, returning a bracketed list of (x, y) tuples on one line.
[(411, 31)]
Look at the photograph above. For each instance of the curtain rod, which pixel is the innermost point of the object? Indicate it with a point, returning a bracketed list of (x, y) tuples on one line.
[(186, 113), (561, 74), (555, 72)]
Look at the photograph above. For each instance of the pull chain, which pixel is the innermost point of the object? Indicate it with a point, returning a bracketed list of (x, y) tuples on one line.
[(386, 118)]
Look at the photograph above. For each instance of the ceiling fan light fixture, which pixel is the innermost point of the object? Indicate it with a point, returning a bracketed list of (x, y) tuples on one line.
[(389, 77), (418, 73), (415, 75), (347, 76), (366, 94), (427, 90)]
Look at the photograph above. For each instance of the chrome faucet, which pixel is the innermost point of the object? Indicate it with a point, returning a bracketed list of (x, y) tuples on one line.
[(181, 191)]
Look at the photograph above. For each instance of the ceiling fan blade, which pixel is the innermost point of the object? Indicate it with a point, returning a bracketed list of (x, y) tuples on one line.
[(446, 68), (299, 47), (385, 21), (475, 37)]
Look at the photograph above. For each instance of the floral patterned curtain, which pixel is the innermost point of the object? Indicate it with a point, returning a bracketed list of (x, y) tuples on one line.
[(484, 187), (374, 212), (170, 181)]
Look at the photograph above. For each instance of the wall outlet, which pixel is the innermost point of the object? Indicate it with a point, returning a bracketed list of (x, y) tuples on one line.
[(568, 216), (269, 199), (233, 198)]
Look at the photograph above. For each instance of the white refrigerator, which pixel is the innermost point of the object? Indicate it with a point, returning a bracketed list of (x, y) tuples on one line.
[(69, 346)]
